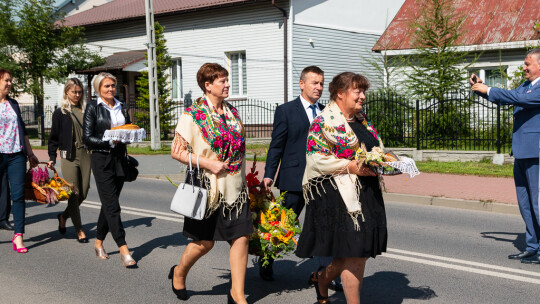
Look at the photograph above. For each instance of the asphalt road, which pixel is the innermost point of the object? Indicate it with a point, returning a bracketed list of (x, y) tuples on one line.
[(435, 255)]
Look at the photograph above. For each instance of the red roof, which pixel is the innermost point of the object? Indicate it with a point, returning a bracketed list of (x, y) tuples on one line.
[(486, 22), (117, 62), (120, 10)]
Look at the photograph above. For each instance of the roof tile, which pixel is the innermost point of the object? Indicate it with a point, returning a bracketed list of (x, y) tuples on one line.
[(118, 10), (485, 22)]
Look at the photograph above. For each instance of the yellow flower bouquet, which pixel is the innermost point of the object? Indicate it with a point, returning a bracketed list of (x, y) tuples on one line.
[(275, 228)]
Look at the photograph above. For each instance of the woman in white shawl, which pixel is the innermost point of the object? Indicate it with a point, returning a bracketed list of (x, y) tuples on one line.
[(345, 216), (211, 130)]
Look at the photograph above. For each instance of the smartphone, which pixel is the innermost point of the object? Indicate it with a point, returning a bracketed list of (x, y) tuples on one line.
[(475, 79)]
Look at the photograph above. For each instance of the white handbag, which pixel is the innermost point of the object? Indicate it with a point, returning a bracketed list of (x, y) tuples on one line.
[(190, 200)]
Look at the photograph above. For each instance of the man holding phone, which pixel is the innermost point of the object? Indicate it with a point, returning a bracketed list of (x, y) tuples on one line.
[(525, 147)]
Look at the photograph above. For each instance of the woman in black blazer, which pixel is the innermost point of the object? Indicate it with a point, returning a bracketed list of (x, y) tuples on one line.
[(108, 161), (66, 136)]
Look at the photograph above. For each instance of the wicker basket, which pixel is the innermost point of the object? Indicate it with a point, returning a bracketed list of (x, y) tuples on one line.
[(33, 192)]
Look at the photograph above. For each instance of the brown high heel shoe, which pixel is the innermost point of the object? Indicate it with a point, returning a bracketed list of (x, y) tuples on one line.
[(127, 260), (101, 254), (314, 280)]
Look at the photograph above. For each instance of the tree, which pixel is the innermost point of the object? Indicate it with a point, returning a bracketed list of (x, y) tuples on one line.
[(166, 105), (437, 66), (37, 47)]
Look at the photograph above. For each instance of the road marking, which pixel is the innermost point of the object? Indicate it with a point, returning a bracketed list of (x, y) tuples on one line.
[(398, 254), (452, 260), (492, 273), (137, 211)]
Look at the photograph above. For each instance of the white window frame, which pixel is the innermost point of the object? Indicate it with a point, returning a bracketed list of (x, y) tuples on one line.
[(482, 72), (241, 93), (177, 62)]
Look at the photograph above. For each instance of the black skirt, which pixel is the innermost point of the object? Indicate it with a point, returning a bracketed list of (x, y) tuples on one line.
[(219, 227), (329, 229)]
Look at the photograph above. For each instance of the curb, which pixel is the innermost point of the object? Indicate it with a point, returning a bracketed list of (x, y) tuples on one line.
[(452, 203), (456, 203)]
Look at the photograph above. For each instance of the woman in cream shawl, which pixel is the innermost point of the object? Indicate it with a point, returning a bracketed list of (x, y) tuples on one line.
[(345, 216), (211, 130)]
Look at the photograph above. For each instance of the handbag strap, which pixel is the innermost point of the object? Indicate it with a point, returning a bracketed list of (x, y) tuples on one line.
[(189, 158), (80, 124)]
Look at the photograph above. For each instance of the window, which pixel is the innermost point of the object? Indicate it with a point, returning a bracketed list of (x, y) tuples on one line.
[(176, 80), (495, 76), (237, 73)]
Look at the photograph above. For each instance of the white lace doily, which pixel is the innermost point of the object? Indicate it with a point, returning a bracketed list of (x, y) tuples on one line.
[(405, 165), (125, 136)]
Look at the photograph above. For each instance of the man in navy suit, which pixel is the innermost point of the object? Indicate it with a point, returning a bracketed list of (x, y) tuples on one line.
[(525, 147), (288, 146)]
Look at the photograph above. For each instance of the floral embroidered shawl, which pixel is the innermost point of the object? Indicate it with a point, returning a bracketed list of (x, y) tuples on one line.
[(331, 145), (203, 129)]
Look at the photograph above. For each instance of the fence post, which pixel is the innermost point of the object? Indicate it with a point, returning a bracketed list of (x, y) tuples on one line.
[(417, 124), (498, 129)]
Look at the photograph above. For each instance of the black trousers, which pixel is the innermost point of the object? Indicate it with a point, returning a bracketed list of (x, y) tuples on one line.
[(294, 200), (109, 185)]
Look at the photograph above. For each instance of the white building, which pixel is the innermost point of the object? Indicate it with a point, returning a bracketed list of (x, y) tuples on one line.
[(248, 37)]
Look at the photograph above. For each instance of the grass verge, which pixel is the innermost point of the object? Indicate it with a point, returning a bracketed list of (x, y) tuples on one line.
[(466, 168)]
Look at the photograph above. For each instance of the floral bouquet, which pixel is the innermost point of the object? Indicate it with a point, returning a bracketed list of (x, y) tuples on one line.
[(386, 163), (44, 189), (275, 228)]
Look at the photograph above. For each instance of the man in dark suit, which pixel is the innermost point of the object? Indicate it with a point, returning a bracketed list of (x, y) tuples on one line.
[(525, 147), (288, 147)]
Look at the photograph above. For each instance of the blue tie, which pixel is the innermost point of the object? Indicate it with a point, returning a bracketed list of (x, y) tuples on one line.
[(530, 86), (313, 109)]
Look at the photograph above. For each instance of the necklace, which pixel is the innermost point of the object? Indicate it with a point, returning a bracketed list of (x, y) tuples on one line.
[(351, 119)]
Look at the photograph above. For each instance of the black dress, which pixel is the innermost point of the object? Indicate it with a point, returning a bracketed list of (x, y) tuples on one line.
[(222, 225), (328, 228)]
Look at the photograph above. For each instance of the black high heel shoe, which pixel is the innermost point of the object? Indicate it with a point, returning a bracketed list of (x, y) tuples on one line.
[(180, 293), (61, 229), (314, 280), (230, 299)]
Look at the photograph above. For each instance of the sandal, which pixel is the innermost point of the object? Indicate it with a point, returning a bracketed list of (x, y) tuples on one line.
[(314, 280), (19, 250)]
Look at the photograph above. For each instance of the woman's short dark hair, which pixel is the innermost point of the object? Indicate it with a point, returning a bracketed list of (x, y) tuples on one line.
[(346, 80), (210, 72), (3, 72)]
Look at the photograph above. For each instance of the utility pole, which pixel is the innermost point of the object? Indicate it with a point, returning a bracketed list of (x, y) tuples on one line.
[(155, 137)]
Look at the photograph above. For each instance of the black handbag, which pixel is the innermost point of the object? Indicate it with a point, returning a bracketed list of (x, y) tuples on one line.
[(130, 171)]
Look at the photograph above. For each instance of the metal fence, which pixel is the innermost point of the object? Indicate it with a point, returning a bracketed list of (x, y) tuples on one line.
[(32, 115), (460, 121)]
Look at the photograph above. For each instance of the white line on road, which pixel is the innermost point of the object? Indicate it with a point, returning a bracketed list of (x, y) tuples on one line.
[(137, 211), (452, 260), (463, 268), (398, 254)]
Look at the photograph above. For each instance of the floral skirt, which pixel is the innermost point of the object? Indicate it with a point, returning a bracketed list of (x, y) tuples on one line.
[(328, 229)]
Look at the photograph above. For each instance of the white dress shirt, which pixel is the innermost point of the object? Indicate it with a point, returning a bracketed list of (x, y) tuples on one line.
[(309, 111)]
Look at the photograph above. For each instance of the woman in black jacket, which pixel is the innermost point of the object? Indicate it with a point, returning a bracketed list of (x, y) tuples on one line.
[(66, 136), (108, 161)]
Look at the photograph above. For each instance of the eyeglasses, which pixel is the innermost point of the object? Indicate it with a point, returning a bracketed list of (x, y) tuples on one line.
[(76, 92)]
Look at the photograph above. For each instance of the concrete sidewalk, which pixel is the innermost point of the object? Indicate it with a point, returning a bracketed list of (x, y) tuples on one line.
[(458, 191)]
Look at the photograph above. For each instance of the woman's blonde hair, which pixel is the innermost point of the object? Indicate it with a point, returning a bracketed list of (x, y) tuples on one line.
[(98, 79), (65, 105)]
